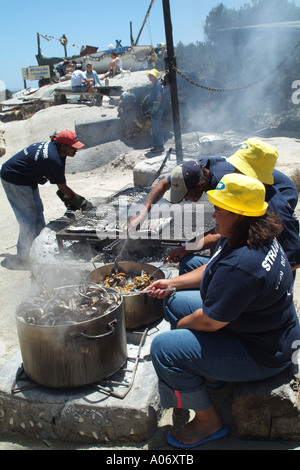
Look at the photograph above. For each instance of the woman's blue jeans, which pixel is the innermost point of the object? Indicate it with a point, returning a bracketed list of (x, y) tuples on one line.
[(183, 358), (28, 209), (190, 262)]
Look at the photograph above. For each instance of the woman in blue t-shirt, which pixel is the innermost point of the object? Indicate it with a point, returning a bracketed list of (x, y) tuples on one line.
[(233, 319)]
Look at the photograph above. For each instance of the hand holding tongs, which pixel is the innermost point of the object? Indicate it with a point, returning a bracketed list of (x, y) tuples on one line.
[(148, 291)]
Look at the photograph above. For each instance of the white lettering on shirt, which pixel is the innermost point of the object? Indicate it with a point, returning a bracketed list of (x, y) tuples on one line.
[(38, 152), (271, 256), (45, 150)]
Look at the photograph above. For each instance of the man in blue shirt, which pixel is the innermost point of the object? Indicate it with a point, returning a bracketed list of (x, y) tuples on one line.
[(21, 175), (191, 179), (156, 111)]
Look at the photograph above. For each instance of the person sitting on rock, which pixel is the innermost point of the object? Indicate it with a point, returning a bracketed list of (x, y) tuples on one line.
[(115, 67), (91, 75), (233, 319), (80, 83)]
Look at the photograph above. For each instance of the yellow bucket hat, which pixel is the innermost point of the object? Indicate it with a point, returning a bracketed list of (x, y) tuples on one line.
[(153, 72), (257, 159), (240, 194)]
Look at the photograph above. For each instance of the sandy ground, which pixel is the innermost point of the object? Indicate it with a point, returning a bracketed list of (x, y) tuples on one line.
[(15, 284)]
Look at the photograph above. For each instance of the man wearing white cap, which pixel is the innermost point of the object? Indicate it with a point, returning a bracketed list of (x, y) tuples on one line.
[(156, 111)]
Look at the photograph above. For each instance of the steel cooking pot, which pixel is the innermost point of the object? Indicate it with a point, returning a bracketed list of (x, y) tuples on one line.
[(76, 354), (140, 310)]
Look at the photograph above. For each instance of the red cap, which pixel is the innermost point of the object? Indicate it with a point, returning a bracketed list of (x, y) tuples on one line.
[(70, 138)]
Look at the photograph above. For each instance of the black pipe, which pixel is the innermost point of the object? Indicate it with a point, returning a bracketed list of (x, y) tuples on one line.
[(170, 60)]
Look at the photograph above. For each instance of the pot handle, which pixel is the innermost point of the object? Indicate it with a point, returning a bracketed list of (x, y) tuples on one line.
[(111, 331)]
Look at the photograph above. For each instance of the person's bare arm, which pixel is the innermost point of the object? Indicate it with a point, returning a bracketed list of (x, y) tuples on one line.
[(155, 195), (66, 190)]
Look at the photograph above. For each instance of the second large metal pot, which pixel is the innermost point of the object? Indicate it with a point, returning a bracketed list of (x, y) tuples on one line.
[(140, 310)]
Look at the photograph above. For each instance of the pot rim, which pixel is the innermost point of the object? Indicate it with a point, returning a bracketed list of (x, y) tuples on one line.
[(74, 324)]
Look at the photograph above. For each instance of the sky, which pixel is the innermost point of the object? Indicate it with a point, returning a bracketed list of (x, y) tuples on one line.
[(96, 23)]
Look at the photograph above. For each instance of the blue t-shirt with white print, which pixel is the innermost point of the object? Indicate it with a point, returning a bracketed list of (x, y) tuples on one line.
[(35, 165), (251, 288)]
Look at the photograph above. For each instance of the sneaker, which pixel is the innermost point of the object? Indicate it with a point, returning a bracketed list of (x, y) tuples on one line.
[(157, 150)]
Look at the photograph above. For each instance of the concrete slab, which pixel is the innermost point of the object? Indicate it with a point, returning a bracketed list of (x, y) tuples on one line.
[(89, 414), (104, 128)]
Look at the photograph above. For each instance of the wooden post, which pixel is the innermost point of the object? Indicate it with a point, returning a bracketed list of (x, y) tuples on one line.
[(39, 45), (173, 80), (64, 42)]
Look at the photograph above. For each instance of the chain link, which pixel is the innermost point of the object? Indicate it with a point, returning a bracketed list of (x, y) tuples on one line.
[(249, 85)]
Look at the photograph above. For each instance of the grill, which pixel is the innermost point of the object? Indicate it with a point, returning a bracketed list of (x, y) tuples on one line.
[(108, 222)]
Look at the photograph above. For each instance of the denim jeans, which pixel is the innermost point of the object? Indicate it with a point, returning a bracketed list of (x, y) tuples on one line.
[(190, 262), (28, 209), (182, 358), (80, 88), (157, 131)]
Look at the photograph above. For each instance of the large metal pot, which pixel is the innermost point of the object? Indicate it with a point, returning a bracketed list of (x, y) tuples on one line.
[(76, 354), (140, 310)]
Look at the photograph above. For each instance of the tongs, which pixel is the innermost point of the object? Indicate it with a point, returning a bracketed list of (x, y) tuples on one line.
[(146, 291), (159, 267), (116, 265)]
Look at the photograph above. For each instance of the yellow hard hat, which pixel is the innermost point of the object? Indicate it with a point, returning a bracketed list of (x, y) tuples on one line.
[(257, 159), (240, 194), (153, 72)]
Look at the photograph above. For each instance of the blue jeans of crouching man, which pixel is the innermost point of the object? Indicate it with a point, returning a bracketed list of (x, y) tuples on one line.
[(28, 209), (183, 358)]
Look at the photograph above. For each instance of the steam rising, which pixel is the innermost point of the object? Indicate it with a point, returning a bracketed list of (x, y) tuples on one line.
[(239, 57)]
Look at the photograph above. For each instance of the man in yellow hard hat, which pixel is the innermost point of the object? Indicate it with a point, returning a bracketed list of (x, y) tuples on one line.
[(156, 111)]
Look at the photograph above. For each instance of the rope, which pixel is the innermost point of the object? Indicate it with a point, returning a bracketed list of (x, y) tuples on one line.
[(149, 31), (249, 85)]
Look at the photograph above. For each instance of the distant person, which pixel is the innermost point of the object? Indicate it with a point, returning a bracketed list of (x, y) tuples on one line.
[(115, 67), (20, 177), (91, 75), (156, 109), (161, 56), (163, 51), (62, 68), (79, 82)]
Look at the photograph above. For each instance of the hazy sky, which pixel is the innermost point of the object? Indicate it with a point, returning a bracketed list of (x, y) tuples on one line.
[(96, 23)]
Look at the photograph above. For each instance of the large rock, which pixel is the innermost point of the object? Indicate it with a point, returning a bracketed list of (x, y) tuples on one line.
[(146, 171), (268, 409)]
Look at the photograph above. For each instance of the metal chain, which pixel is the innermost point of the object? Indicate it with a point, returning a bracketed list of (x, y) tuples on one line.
[(171, 64)]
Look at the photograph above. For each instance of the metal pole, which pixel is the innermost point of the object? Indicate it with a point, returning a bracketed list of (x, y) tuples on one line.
[(172, 80), (144, 22)]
